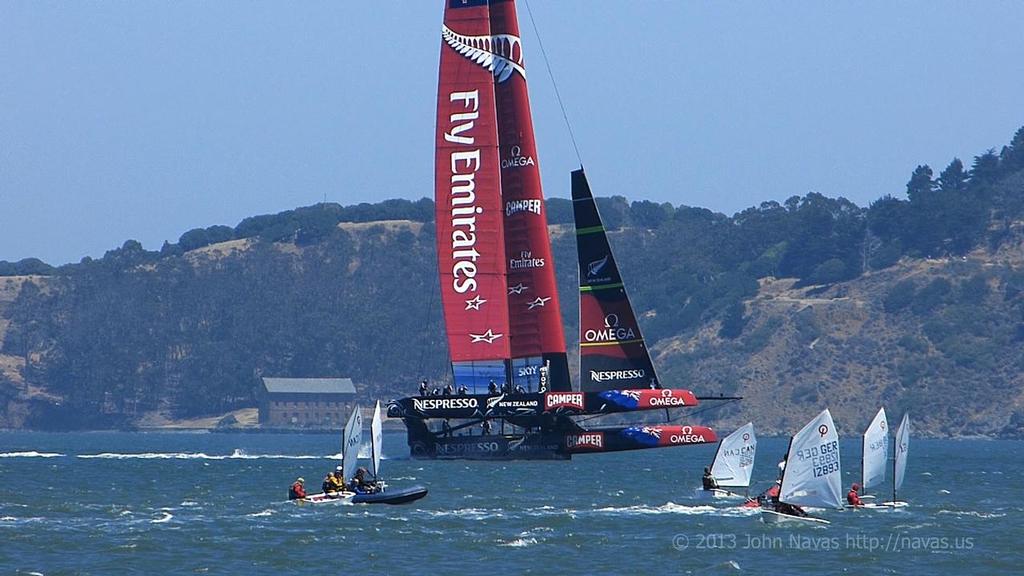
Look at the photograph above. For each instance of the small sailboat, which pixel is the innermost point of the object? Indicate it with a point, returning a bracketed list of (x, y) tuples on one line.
[(732, 466), (901, 443), (351, 440), (812, 477), (874, 453), (382, 495)]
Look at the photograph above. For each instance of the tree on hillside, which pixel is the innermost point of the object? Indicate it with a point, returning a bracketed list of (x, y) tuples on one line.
[(920, 185), (953, 179)]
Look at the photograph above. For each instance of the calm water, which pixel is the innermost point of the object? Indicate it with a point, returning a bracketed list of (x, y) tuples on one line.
[(124, 503)]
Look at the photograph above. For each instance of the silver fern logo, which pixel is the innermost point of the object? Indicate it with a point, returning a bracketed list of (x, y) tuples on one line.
[(502, 54)]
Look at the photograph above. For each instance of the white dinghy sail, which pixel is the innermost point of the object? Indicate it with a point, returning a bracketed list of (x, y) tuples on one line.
[(813, 476), (733, 463), (376, 440), (874, 451), (351, 441), (901, 444)]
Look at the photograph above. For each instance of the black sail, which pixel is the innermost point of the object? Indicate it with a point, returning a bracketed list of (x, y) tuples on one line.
[(613, 354)]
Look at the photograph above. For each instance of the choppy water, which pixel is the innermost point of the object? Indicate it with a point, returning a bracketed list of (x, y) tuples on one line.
[(123, 503)]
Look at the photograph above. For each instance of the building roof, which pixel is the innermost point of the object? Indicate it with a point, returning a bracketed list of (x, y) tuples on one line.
[(310, 385)]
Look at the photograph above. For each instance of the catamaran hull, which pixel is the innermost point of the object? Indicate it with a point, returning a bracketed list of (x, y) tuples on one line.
[(552, 444), (773, 517), (489, 447)]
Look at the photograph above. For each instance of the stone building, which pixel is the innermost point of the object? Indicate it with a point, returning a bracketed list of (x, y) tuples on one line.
[(305, 402)]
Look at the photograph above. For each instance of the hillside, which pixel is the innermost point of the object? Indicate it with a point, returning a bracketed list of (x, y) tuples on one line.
[(916, 304)]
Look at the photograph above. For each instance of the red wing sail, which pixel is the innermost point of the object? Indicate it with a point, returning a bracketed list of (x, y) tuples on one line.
[(470, 244), (613, 354), (536, 335)]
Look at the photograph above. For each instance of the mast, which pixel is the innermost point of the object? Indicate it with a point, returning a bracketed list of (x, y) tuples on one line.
[(470, 236), (536, 336), (613, 354)]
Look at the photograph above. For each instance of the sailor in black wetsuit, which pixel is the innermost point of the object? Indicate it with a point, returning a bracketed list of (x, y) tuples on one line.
[(709, 481)]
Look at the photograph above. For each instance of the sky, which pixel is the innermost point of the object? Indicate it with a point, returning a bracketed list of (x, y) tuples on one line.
[(142, 120)]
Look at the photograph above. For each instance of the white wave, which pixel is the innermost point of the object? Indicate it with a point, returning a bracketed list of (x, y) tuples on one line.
[(519, 543), (926, 473), (469, 513), (261, 514), (672, 508), (236, 455), (944, 492), (973, 513), (165, 518), (31, 454)]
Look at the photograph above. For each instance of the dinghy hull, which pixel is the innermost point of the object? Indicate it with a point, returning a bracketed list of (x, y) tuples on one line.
[(403, 496)]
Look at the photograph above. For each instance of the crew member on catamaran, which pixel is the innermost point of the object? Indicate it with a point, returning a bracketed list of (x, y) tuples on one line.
[(463, 390), (709, 481), (424, 389), (297, 491), (852, 498)]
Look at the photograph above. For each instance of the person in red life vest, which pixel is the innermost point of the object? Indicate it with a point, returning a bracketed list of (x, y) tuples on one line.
[(297, 491), (852, 498)]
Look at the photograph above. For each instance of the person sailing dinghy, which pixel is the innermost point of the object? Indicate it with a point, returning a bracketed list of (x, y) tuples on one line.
[(375, 491), (732, 466), (812, 476), (901, 443), (874, 452), (351, 439)]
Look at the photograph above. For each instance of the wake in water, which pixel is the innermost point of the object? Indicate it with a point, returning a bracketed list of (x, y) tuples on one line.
[(236, 455), (32, 454)]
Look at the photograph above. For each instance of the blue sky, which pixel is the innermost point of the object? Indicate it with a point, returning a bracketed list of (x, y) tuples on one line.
[(142, 120)]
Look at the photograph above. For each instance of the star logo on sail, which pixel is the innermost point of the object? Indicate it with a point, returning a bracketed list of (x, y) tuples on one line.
[(538, 302), (517, 289), (475, 303), (488, 337)]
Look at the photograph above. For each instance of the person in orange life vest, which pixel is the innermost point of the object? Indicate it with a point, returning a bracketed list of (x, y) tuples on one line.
[(852, 498), (297, 491)]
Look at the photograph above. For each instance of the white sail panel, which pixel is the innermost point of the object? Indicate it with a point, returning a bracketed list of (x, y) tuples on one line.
[(875, 451), (351, 441), (376, 439), (734, 460), (902, 444), (813, 476)]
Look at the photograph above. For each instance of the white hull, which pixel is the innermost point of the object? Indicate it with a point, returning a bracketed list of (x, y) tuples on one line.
[(332, 498), (773, 517), (716, 494), (874, 506)]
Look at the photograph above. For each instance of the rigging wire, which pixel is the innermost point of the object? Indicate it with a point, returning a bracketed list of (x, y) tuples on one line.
[(558, 95), (430, 315)]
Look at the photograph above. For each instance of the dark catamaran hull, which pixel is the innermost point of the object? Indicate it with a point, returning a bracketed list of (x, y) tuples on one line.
[(550, 444), (538, 404)]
